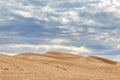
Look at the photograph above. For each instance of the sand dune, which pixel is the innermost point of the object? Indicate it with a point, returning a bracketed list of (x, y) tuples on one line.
[(57, 66), (60, 57)]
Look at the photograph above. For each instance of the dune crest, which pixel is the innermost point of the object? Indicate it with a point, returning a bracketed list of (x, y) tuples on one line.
[(103, 60), (57, 66)]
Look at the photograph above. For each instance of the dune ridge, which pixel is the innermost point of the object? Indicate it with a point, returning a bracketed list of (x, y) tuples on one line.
[(57, 66)]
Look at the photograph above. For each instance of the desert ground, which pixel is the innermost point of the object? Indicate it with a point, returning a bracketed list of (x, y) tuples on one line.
[(57, 66)]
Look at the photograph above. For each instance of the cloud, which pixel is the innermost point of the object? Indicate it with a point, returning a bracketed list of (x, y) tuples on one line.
[(47, 9), (59, 41), (107, 38), (23, 13), (116, 58), (118, 46), (64, 24), (45, 47), (11, 54)]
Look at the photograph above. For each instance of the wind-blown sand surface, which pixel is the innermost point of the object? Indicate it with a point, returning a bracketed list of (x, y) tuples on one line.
[(57, 66)]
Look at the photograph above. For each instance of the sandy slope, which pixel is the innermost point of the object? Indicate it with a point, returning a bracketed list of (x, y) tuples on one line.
[(57, 66)]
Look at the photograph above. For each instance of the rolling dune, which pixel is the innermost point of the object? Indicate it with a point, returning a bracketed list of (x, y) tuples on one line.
[(57, 66)]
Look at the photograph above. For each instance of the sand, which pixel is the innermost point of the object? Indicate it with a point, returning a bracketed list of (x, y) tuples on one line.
[(57, 66)]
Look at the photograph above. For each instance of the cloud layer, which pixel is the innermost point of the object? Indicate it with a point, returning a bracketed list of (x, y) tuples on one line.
[(78, 26)]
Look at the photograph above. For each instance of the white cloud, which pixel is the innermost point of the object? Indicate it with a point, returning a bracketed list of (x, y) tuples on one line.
[(64, 20), (91, 30), (81, 49), (11, 54), (110, 6), (60, 41), (107, 38), (117, 58), (47, 9), (82, 22), (70, 15), (23, 13), (1, 20), (118, 46), (72, 49)]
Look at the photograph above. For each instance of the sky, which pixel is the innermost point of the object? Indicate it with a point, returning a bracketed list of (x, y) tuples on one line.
[(85, 27)]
